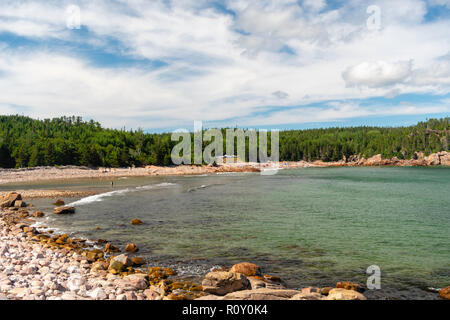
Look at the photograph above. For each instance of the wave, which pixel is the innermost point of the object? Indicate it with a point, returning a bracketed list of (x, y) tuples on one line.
[(153, 186), (100, 197), (203, 186)]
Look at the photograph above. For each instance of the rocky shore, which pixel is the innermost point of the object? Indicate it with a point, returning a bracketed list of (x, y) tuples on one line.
[(420, 160), (38, 265)]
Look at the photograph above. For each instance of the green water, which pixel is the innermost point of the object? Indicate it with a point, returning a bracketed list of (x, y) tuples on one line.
[(312, 226)]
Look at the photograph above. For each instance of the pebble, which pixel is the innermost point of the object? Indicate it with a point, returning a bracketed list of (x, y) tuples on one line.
[(29, 271)]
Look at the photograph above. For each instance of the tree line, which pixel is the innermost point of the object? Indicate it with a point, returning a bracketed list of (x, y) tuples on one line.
[(26, 142)]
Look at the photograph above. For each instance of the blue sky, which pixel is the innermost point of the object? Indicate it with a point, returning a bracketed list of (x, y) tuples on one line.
[(160, 65)]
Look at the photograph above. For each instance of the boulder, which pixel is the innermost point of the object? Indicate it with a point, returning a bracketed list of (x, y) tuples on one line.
[(38, 214), (256, 283), (324, 291), (308, 296), (138, 261), (262, 294), (445, 293), (374, 161), (210, 297), (124, 259), (10, 199), (64, 210), (59, 203), (19, 204), (445, 158), (98, 294), (246, 268), (152, 295), (131, 247), (138, 281), (222, 282), (136, 222), (109, 248), (343, 294), (350, 286)]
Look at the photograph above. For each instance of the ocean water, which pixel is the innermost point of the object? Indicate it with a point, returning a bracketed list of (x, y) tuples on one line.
[(312, 226)]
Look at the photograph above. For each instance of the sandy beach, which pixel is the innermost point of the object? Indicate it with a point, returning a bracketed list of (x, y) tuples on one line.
[(71, 172)]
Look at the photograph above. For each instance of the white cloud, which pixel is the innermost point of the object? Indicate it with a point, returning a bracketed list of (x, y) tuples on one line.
[(377, 74), (219, 66)]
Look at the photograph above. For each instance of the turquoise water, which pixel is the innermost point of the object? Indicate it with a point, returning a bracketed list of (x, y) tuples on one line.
[(312, 226)]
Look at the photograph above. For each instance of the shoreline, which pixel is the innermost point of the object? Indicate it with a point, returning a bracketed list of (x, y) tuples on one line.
[(40, 174), (38, 265)]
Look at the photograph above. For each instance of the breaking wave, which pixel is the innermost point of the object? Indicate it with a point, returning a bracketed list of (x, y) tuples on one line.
[(102, 196)]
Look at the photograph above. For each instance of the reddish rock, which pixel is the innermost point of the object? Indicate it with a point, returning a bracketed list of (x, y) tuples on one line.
[(343, 294), (445, 293), (131, 247), (38, 214), (350, 286), (138, 261), (109, 248), (59, 203), (310, 290), (326, 290), (221, 282), (136, 222), (10, 199), (64, 210), (246, 268)]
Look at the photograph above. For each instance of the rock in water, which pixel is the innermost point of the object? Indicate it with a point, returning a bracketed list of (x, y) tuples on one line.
[(445, 293), (64, 210), (136, 222), (246, 268), (222, 282), (59, 203), (131, 247)]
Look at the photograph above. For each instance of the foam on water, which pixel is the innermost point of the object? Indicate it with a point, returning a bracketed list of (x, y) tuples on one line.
[(100, 197)]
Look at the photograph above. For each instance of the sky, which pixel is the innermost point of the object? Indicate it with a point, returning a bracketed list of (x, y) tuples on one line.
[(160, 65)]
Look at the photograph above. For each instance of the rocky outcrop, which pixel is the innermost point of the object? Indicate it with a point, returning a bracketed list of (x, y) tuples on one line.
[(222, 282), (64, 210), (246, 268), (10, 199)]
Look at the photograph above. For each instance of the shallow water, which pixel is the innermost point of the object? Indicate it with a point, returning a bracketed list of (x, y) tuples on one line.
[(312, 226)]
